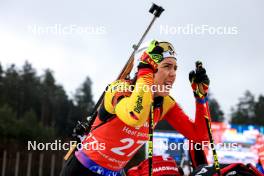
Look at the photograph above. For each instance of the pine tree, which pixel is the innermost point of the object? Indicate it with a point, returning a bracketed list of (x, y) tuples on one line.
[(1, 85), (244, 113), (217, 115), (11, 89), (47, 93), (259, 111), (83, 97), (30, 89)]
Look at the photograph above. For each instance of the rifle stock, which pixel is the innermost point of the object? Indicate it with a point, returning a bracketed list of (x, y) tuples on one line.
[(127, 69)]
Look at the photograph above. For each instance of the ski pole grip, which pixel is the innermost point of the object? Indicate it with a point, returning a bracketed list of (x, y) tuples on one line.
[(156, 10), (198, 64)]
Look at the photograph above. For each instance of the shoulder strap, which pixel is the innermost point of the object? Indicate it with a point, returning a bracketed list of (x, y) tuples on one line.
[(102, 123)]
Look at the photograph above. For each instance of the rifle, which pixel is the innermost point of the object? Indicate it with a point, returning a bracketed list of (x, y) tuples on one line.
[(86, 126)]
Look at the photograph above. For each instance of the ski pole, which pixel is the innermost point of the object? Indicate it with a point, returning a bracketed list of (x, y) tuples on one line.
[(208, 125), (150, 141), (156, 11)]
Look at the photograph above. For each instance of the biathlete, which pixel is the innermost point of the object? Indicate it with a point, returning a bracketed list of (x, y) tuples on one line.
[(127, 112)]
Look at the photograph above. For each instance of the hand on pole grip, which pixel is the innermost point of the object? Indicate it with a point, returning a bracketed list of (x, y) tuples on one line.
[(199, 80)]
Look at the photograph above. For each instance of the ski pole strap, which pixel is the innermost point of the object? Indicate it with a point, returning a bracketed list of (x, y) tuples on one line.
[(92, 166), (202, 100)]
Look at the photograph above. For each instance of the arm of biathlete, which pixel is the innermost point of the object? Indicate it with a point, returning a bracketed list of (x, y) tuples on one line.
[(130, 106), (197, 130)]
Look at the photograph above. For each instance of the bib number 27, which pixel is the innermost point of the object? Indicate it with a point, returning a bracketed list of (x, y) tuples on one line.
[(128, 144)]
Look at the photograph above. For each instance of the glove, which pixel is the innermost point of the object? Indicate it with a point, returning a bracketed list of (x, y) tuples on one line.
[(199, 81), (152, 56), (80, 129)]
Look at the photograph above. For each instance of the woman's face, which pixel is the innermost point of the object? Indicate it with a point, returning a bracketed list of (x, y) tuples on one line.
[(165, 76)]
